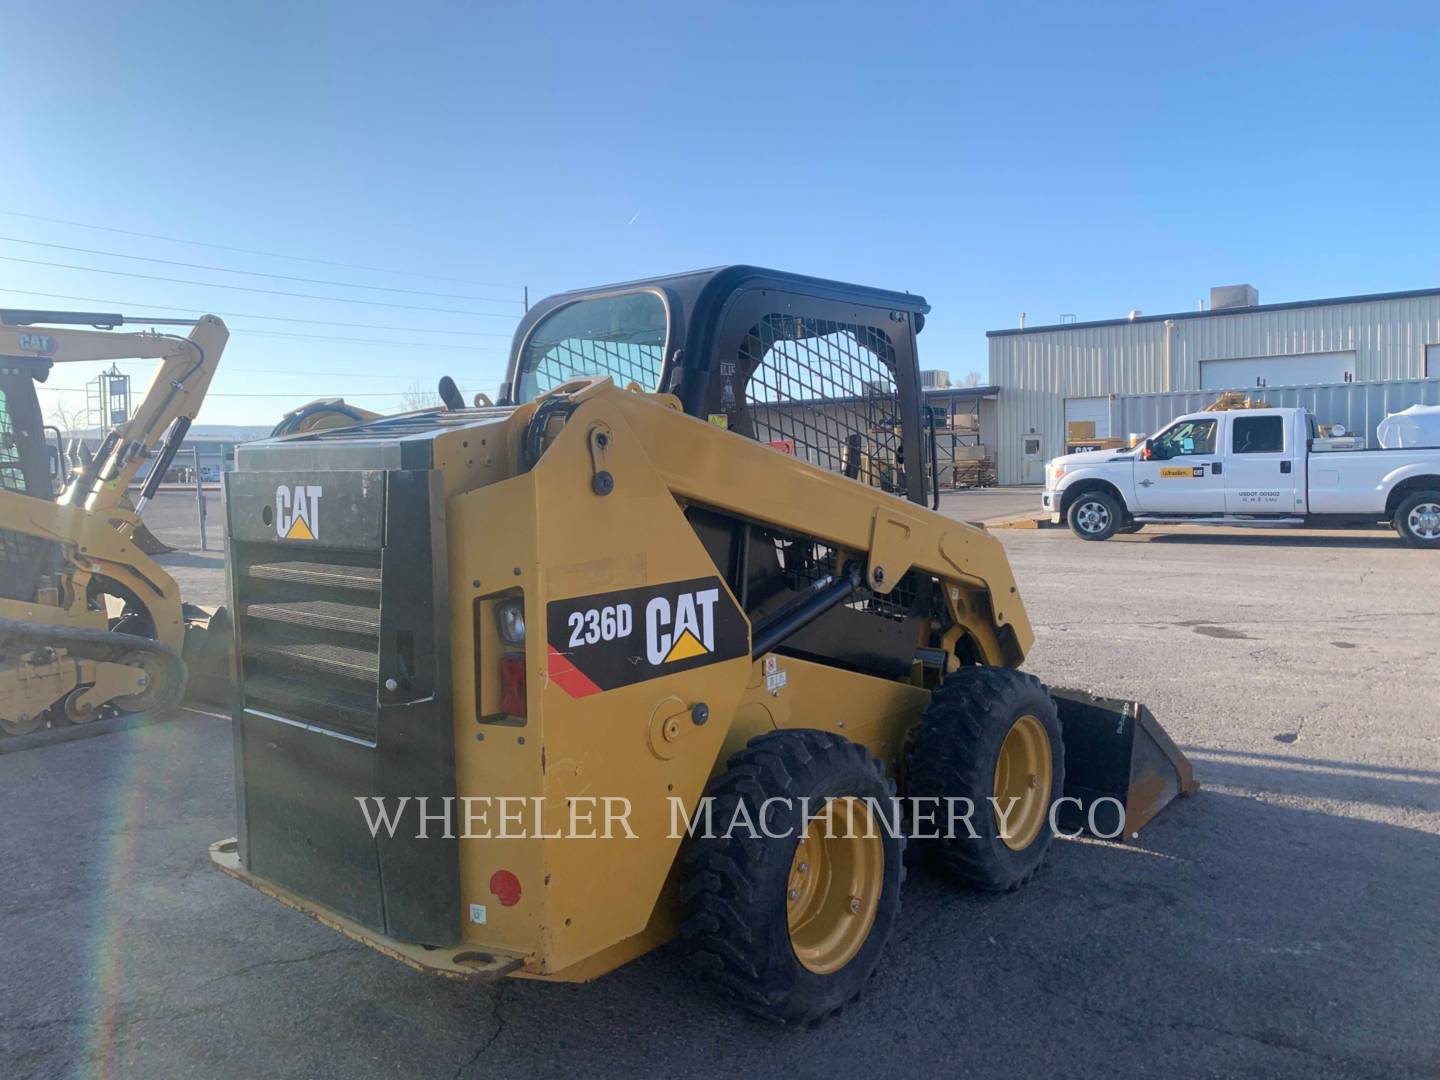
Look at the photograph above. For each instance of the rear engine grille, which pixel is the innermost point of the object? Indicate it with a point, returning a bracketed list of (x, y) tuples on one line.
[(322, 614), (310, 635), (364, 578)]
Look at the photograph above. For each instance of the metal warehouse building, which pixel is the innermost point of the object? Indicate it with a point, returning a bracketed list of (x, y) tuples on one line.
[(1350, 359)]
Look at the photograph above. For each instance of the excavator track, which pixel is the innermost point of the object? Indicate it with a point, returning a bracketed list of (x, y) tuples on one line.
[(165, 672)]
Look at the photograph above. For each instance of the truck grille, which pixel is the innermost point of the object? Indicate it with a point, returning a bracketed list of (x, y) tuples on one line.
[(310, 635)]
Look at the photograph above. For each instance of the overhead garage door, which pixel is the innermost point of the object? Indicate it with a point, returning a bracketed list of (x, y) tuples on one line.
[(1306, 369), (1096, 409)]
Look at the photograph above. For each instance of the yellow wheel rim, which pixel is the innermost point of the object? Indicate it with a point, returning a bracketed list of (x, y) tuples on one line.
[(836, 878), (1022, 782)]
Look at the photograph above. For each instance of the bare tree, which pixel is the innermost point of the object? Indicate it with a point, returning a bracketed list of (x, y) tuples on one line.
[(972, 378), (67, 414), (419, 395)]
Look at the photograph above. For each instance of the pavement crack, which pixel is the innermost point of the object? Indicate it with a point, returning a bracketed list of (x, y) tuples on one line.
[(283, 961), (495, 1014)]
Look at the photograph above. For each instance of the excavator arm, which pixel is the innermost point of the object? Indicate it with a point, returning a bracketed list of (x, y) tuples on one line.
[(187, 365)]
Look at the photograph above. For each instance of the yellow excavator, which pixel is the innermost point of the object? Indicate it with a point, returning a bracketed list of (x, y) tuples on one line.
[(89, 623)]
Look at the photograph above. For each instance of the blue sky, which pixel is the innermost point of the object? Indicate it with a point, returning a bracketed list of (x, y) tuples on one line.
[(1081, 158)]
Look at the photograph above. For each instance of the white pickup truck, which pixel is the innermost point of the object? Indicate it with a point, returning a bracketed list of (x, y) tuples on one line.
[(1254, 467)]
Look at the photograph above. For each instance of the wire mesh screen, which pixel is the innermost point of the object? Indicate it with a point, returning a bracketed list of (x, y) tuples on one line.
[(825, 392), (12, 474), (625, 362)]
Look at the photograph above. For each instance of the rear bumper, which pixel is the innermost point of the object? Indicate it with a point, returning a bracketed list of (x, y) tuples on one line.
[(459, 962)]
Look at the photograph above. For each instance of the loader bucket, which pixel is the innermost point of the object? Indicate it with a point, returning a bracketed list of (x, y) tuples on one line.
[(208, 637), (144, 539), (1115, 749)]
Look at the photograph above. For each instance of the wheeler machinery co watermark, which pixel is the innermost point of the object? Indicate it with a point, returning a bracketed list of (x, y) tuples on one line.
[(605, 817)]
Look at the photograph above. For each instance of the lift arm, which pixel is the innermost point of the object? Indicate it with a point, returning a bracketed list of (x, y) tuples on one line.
[(167, 409)]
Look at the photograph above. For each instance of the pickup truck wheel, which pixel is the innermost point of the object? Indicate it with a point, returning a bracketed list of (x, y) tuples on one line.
[(1417, 519), (1094, 516)]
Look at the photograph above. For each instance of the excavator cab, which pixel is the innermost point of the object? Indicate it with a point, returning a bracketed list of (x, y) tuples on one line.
[(24, 452)]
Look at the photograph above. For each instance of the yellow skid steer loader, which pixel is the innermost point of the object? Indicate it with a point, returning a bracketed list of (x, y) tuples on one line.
[(667, 642)]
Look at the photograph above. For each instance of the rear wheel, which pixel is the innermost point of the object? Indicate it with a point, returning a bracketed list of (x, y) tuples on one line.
[(793, 923), (991, 736), (1417, 519), (1094, 516)]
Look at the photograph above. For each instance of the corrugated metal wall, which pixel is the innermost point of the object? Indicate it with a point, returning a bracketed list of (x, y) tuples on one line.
[(1360, 406), (1037, 371)]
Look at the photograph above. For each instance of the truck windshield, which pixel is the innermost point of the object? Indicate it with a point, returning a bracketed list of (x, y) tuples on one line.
[(619, 336)]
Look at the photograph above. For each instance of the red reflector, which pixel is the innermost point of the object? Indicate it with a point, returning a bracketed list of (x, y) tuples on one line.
[(505, 887), (512, 684)]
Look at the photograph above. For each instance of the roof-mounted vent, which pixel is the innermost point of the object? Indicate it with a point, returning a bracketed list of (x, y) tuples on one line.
[(1233, 296)]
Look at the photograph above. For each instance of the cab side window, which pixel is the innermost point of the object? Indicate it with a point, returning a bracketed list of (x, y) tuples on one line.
[(1187, 438), (1258, 435)]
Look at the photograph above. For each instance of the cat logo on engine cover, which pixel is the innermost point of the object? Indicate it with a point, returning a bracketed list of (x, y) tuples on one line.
[(297, 511), (609, 640)]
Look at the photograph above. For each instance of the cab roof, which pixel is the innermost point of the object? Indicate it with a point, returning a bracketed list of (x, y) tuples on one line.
[(696, 299)]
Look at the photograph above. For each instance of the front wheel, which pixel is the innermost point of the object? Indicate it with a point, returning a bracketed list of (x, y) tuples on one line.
[(1094, 516), (990, 739), (793, 885), (1417, 519)]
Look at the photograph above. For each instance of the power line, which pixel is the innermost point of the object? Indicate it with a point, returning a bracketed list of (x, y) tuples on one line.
[(427, 346), (420, 377), (253, 289), (267, 254), (266, 318), (258, 273), (214, 394)]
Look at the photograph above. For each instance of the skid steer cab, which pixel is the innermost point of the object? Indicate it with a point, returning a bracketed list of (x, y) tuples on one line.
[(653, 646)]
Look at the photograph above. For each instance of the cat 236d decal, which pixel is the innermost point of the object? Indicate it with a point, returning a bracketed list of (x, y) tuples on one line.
[(613, 639)]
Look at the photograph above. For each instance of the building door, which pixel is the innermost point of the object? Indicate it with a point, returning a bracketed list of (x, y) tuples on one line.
[(1032, 460), (1303, 369), (1087, 410)]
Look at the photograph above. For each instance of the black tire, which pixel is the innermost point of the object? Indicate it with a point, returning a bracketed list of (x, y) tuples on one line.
[(736, 933), (954, 755), (1417, 519), (1093, 515)]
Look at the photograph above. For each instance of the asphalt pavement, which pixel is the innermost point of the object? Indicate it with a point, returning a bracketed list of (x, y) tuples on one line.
[(1281, 923)]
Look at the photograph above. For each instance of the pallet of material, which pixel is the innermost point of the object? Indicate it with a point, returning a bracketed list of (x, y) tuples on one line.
[(968, 474)]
